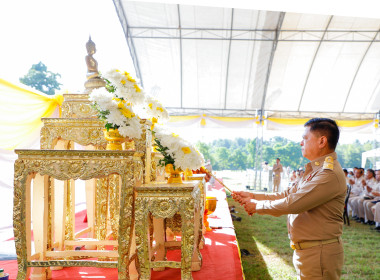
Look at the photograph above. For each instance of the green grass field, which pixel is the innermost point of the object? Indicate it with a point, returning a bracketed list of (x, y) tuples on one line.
[(265, 237)]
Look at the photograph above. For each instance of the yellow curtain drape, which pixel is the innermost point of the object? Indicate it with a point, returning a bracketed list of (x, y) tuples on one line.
[(21, 110), (341, 123)]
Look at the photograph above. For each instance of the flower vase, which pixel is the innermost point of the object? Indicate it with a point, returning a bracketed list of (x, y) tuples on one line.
[(114, 139), (188, 173), (174, 174), (209, 209)]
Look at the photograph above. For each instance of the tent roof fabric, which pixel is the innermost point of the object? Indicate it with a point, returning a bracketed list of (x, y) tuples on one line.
[(237, 62)]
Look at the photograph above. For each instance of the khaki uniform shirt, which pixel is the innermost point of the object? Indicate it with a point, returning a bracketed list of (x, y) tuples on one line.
[(314, 204), (277, 169)]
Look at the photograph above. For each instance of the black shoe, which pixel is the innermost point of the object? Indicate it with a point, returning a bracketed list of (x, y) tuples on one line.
[(245, 252), (235, 218), (371, 223), (375, 228), (360, 220)]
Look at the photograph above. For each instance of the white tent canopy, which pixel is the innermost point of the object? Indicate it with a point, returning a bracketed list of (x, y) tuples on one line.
[(372, 154), (237, 62)]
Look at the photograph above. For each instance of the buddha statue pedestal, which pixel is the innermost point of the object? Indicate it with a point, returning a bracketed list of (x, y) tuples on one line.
[(164, 201)]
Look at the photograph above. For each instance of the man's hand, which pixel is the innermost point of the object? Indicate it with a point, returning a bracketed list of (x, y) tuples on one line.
[(376, 193), (369, 189), (352, 181), (250, 207), (241, 197)]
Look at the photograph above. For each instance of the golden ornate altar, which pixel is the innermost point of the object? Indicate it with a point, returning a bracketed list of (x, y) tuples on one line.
[(48, 176), (163, 201), (42, 166)]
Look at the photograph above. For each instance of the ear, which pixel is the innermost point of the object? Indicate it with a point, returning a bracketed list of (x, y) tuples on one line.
[(323, 142)]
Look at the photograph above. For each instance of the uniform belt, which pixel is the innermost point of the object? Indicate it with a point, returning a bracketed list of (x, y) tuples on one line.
[(309, 244)]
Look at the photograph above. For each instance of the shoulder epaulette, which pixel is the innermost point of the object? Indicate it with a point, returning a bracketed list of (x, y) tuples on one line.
[(328, 163)]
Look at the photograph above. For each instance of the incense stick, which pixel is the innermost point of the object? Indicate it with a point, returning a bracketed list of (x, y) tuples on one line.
[(220, 182)]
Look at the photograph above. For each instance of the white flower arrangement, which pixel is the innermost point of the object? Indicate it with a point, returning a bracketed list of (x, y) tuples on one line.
[(176, 150), (117, 113), (155, 111), (123, 86)]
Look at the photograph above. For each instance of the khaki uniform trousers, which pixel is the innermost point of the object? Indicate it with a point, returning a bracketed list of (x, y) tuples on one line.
[(368, 205), (376, 212), (276, 182), (322, 262)]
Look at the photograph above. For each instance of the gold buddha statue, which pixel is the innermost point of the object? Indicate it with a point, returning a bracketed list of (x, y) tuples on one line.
[(93, 78)]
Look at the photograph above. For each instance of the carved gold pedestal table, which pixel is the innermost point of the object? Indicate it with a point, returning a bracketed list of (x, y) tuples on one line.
[(81, 128), (164, 200), (40, 167), (202, 186)]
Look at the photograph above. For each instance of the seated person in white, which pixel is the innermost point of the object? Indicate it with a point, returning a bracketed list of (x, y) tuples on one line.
[(357, 203), (376, 213), (356, 188), (374, 192)]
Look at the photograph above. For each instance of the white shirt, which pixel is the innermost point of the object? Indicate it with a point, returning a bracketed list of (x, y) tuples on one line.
[(357, 187)]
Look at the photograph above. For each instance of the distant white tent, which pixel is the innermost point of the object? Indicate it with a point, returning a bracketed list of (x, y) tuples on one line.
[(372, 155)]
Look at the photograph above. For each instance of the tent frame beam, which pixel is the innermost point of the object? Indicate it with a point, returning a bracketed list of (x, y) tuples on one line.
[(358, 69), (273, 51), (254, 34), (175, 111), (228, 60), (312, 63), (180, 53)]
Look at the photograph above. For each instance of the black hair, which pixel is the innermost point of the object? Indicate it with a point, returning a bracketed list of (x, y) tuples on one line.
[(278, 159), (345, 170), (373, 172), (326, 127)]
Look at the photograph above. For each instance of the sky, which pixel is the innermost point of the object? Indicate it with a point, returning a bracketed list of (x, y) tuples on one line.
[(55, 33)]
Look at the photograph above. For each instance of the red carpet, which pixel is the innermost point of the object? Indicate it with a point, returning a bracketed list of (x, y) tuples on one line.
[(220, 254)]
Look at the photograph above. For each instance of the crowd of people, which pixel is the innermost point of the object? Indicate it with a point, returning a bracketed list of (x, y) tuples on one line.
[(363, 202), (364, 199)]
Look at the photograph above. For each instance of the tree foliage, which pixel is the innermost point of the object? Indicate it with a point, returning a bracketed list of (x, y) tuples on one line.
[(240, 154), (40, 78)]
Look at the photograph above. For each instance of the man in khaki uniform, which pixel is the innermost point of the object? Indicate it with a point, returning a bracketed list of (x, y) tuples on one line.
[(314, 205), (277, 169)]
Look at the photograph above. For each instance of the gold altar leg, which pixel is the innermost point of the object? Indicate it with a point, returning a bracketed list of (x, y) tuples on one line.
[(101, 209), (114, 204), (90, 186), (197, 257), (126, 222), (142, 237), (40, 218), (187, 241), (159, 237), (22, 219)]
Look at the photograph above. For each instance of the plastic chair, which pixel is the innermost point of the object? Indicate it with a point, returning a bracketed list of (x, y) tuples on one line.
[(345, 212)]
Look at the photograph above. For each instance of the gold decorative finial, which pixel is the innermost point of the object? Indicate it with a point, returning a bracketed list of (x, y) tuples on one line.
[(93, 78)]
